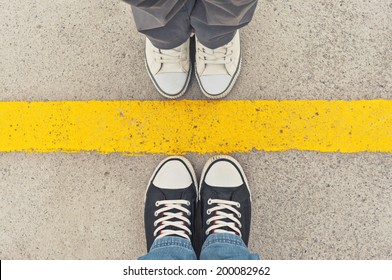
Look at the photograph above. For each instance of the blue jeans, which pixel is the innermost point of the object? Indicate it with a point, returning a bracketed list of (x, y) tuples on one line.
[(220, 246)]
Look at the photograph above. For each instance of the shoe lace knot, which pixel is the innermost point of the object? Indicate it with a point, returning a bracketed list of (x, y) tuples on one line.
[(172, 222), (225, 216)]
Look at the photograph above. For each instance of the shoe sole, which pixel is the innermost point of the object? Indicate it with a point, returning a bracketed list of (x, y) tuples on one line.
[(187, 164), (227, 90), (230, 159), (161, 92)]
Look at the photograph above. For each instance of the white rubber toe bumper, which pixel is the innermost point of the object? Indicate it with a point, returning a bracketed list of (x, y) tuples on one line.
[(174, 173), (223, 174), (171, 84), (223, 171), (215, 84)]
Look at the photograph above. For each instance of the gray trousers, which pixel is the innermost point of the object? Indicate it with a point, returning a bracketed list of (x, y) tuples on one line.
[(169, 23)]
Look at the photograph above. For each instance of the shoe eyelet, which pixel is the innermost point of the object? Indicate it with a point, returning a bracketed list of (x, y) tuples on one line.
[(209, 202), (189, 213), (157, 204), (238, 205), (239, 215), (155, 214), (240, 226), (188, 203), (208, 222), (208, 212), (155, 224), (207, 232)]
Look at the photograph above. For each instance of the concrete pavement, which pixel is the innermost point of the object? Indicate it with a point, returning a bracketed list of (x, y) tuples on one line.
[(307, 205)]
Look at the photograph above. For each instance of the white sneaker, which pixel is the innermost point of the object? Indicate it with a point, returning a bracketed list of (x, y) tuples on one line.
[(218, 69), (169, 70)]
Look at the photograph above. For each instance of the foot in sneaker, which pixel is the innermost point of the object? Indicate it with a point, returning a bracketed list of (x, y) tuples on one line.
[(218, 69), (170, 201), (169, 70), (225, 198)]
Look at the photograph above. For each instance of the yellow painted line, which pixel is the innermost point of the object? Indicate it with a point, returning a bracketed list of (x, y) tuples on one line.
[(179, 127)]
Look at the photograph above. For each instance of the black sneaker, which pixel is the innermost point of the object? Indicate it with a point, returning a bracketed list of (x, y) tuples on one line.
[(170, 200), (225, 198)]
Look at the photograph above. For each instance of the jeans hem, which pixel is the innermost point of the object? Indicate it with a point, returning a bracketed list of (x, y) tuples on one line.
[(225, 239), (185, 244)]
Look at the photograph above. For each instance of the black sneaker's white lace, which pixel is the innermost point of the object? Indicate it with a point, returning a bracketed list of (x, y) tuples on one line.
[(223, 219), (172, 223)]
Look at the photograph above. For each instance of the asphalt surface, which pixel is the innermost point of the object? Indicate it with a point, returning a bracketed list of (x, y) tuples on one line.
[(306, 205)]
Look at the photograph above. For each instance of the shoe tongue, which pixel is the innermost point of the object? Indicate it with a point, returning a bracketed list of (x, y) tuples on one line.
[(212, 68), (171, 67), (174, 195), (228, 221), (226, 194)]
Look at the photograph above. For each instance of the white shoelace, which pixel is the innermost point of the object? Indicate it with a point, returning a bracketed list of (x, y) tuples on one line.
[(220, 216), (171, 219), (167, 56), (220, 55)]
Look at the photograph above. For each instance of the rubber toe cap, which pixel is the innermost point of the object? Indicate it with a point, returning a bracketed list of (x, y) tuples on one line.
[(173, 175), (171, 83)]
